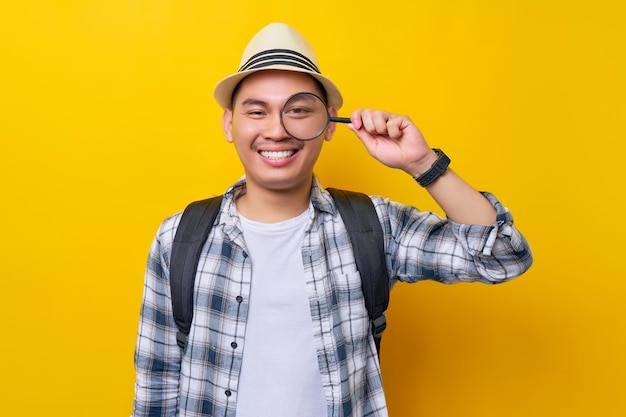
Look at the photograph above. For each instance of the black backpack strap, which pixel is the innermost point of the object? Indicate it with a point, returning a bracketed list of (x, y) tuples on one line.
[(194, 227), (366, 236)]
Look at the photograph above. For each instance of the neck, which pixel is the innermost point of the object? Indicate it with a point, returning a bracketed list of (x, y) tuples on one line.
[(272, 206)]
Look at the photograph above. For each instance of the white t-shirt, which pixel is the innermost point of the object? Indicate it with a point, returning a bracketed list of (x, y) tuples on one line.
[(280, 376)]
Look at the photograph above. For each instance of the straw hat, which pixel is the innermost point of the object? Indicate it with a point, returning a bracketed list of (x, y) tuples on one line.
[(276, 46)]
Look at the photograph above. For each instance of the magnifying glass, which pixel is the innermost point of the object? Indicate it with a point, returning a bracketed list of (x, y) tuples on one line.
[(304, 116)]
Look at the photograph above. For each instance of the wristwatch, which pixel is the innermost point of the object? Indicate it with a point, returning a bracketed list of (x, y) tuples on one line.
[(439, 167)]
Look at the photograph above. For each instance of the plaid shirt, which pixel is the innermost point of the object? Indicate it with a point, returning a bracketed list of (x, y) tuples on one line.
[(203, 380)]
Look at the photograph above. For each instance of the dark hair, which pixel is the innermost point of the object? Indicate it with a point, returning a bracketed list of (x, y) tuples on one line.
[(320, 86)]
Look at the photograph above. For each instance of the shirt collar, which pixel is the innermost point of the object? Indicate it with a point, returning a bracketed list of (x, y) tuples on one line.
[(320, 198)]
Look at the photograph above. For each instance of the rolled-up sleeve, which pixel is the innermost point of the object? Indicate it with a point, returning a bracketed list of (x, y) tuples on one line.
[(422, 245)]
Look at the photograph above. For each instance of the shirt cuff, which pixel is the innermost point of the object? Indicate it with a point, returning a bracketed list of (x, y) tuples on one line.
[(480, 239)]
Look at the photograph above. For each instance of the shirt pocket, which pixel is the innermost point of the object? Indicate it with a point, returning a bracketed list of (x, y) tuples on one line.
[(350, 304)]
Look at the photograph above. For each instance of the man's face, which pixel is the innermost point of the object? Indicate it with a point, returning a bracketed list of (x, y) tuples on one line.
[(271, 158)]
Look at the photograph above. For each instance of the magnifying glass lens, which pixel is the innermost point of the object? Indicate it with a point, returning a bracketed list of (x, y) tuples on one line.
[(304, 116)]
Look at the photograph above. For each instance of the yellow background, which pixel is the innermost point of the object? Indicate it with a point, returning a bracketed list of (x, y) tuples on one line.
[(107, 125)]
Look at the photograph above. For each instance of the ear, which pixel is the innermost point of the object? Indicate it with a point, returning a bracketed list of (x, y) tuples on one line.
[(330, 130), (227, 124)]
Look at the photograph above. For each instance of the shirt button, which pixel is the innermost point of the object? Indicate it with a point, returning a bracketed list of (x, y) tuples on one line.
[(228, 393), (233, 345), (239, 299)]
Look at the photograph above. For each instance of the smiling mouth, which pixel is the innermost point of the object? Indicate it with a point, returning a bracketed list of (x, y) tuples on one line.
[(277, 154)]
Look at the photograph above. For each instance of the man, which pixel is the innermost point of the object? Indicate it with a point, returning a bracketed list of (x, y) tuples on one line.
[(280, 327)]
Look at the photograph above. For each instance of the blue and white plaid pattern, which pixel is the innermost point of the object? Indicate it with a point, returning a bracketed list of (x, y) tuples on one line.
[(202, 380)]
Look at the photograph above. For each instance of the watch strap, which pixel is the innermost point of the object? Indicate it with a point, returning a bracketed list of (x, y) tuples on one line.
[(439, 167)]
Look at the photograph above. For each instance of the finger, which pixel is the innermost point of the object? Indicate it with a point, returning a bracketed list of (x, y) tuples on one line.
[(394, 126), (367, 122), (357, 125), (356, 121), (375, 121), (381, 120)]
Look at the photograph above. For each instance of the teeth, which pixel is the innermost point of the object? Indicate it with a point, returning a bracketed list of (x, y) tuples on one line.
[(277, 155)]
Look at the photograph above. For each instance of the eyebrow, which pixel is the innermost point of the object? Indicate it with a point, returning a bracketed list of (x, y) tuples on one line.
[(254, 102)]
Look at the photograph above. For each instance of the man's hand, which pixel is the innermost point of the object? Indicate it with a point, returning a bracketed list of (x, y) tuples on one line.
[(393, 140)]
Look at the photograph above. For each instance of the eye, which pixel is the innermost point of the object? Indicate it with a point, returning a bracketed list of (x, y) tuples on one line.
[(255, 113), (298, 112), (304, 106)]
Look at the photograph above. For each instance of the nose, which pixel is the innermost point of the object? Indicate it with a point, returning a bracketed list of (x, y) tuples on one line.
[(274, 129)]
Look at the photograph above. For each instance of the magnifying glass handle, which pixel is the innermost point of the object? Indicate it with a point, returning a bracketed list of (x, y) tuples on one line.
[(340, 119)]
